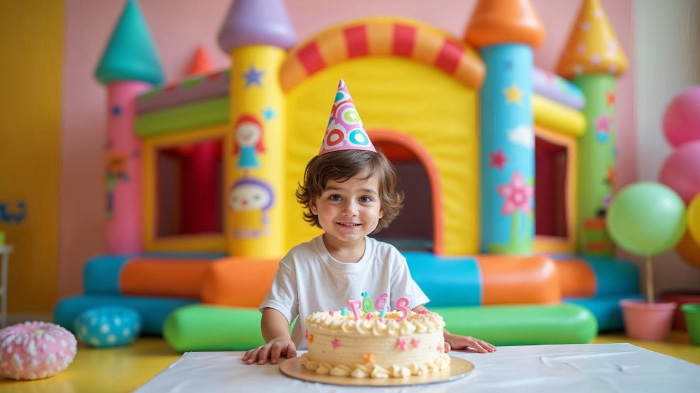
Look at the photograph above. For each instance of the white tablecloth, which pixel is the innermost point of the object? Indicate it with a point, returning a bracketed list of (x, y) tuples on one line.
[(535, 368)]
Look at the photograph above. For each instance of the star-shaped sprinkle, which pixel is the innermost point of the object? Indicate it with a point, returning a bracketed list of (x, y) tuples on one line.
[(330, 313), (415, 342), (513, 94), (498, 159), (368, 316), (335, 343), (311, 339), (253, 76), (367, 358), (401, 344)]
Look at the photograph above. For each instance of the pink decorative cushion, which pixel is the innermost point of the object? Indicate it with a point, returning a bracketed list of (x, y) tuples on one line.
[(35, 350)]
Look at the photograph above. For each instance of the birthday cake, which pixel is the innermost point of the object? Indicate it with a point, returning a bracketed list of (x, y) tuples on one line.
[(373, 345)]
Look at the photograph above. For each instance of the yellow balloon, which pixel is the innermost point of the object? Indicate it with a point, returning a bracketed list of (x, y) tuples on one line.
[(694, 218), (689, 250)]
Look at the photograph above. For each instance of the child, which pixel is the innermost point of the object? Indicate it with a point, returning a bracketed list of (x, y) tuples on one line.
[(349, 192)]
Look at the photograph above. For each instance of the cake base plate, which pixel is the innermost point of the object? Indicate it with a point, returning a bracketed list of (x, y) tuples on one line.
[(459, 368)]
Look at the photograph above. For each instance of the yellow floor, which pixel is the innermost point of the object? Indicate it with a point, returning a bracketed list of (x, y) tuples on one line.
[(126, 368)]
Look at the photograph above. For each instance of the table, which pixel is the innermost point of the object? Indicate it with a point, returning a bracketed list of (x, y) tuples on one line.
[(5, 251), (533, 368)]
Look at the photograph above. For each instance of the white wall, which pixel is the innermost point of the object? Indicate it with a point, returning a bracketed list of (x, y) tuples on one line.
[(668, 60)]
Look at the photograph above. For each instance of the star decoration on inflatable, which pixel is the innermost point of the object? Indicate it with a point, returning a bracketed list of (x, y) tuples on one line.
[(513, 94), (609, 98), (253, 76), (603, 123), (498, 159), (269, 113), (517, 194)]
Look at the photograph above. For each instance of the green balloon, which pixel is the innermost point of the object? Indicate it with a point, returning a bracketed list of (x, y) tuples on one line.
[(646, 218)]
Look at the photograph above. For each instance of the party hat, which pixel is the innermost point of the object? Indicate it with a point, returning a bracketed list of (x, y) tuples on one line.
[(345, 130)]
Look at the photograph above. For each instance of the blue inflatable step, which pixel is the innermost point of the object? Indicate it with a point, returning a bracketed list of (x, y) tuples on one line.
[(152, 310)]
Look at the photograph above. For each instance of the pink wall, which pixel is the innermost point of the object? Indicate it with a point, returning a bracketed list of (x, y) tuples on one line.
[(179, 26)]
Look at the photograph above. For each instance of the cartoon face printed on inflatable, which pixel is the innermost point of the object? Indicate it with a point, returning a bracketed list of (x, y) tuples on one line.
[(250, 194), (249, 133)]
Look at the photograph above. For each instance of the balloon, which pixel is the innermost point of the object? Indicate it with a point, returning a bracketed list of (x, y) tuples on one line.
[(646, 218), (694, 219), (682, 117), (689, 250), (681, 171)]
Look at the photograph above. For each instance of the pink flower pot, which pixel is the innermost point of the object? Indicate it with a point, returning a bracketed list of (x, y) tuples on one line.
[(647, 321)]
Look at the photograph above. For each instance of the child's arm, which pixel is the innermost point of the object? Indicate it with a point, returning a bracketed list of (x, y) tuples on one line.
[(455, 341), (275, 331)]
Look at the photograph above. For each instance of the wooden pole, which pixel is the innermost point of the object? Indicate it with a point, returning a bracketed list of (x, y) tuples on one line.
[(650, 281)]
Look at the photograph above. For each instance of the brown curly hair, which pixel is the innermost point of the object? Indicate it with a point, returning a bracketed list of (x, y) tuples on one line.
[(343, 165)]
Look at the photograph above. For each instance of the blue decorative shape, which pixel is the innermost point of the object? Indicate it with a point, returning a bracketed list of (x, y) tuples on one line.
[(509, 64), (253, 76), (269, 113), (8, 216), (108, 326), (131, 53)]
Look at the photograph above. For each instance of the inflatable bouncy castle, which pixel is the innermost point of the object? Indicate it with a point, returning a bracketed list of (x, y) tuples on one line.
[(507, 170)]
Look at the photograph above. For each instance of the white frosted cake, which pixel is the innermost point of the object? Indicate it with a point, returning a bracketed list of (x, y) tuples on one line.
[(374, 347)]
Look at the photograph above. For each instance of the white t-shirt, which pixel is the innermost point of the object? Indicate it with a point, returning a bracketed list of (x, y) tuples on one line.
[(309, 279)]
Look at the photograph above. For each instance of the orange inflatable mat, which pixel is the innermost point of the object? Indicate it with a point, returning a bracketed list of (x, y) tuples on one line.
[(508, 279), (577, 278), (238, 281), (174, 277)]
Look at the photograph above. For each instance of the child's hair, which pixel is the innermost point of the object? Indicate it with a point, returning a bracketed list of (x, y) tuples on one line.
[(343, 165)]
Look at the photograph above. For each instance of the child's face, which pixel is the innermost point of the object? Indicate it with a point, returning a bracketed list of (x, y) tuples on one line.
[(350, 210)]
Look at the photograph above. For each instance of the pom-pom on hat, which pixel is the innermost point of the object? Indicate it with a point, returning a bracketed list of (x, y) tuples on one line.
[(345, 130)]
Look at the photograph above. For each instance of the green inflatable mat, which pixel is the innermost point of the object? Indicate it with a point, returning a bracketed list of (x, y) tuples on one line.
[(522, 324), (201, 327)]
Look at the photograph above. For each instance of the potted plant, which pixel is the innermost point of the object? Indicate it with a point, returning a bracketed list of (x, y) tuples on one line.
[(647, 219)]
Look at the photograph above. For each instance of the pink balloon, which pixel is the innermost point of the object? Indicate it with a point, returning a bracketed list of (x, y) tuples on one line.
[(681, 171), (682, 117)]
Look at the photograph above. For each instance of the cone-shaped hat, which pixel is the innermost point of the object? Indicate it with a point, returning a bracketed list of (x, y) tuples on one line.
[(345, 130)]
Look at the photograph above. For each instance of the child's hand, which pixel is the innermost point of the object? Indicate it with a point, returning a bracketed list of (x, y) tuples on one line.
[(454, 341), (272, 350)]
